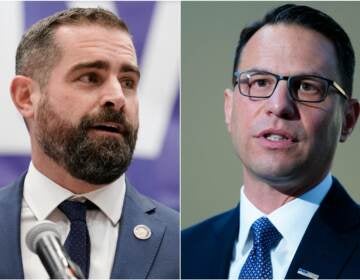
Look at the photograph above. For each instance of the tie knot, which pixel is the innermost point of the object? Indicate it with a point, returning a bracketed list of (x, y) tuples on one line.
[(74, 210), (265, 234)]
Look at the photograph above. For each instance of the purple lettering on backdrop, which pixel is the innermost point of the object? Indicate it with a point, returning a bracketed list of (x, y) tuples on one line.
[(158, 178), (37, 10), (137, 16)]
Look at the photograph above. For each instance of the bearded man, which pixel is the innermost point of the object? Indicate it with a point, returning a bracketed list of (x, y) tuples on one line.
[(76, 88)]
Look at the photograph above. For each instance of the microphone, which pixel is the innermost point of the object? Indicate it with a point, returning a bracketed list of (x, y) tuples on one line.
[(44, 240)]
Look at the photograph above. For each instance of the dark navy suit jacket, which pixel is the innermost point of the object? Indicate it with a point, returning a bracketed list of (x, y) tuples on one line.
[(330, 246), (156, 257)]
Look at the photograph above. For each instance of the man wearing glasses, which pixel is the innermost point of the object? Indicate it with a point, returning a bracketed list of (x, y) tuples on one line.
[(290, 105)]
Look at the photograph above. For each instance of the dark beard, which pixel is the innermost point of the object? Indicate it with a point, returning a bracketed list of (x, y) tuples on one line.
[(96, 160)]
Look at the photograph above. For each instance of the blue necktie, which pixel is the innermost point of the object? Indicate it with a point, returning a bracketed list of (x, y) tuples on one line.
[(258, 264), (77, 243)]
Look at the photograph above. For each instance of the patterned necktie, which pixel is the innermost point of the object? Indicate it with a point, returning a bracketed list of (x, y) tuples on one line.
[(258, 264), (77, 243)]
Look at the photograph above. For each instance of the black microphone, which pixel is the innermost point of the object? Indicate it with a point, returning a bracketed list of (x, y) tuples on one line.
[(44, 240)]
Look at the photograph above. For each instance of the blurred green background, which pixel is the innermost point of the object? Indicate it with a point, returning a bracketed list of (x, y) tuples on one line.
[(210, 172)]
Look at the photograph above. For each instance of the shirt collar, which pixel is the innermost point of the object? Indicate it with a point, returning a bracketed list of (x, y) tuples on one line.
[(43, 195), (291, 219)]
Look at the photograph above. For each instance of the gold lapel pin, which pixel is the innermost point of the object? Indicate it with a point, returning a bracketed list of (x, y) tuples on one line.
[(142, 232)]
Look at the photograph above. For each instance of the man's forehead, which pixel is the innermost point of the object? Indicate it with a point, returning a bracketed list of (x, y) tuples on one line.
[(78, 32), (293, 45), (282, 33), (91, 38), (87, 26)]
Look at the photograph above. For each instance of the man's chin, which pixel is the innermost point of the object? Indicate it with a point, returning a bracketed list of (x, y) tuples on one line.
[(276, 175), (98, 180), (286, 183)]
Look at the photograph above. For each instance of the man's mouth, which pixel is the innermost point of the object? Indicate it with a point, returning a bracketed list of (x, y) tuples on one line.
[(277, 135), (109, 127)]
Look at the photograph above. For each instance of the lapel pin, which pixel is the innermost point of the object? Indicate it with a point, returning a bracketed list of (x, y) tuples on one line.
[(308, 274), (142, 232)]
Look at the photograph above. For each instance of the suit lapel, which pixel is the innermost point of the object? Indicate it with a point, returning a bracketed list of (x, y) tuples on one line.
[(134, 257), (330, 238), (227, 231), (219, 241), (10, 215)]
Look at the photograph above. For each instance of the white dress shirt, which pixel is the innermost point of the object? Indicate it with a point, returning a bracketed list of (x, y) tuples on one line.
[(291, 220), (40, 200)]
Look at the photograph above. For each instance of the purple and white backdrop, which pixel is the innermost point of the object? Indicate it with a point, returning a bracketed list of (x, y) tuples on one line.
[(155, 27)]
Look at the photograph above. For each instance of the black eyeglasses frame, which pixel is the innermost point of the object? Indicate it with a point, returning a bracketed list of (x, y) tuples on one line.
[(332, 83)]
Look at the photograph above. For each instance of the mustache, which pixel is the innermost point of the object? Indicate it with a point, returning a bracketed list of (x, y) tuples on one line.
[(106, 115)]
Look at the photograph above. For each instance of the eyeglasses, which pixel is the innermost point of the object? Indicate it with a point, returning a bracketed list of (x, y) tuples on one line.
[(303, 88)]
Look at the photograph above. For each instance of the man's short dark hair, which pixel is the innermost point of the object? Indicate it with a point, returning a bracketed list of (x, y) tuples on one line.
[(38, 51), (312, 19)]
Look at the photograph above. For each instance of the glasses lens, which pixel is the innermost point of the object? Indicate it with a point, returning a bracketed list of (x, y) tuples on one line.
[(308, 88), (257, 84)]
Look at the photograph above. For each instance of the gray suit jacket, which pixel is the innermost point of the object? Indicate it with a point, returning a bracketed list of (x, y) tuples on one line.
[(156, 257)]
